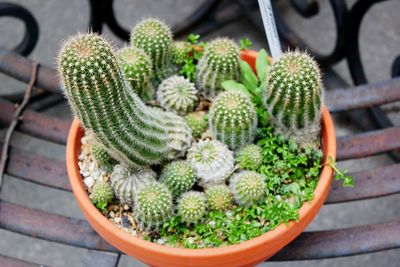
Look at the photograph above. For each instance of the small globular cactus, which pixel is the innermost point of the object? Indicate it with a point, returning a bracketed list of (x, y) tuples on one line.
[(192, 207), (180, 50), (126, 183), (249, 157), (233, 119), (178, 176), (294, 96), (102, 158), (220, 62), (248, 188), (219, 197), (102, 193), (177, 94), (212, 161), (136, 65), (153, 205), (198, 122)]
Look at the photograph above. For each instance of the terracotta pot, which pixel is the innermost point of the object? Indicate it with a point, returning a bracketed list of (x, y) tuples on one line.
[(247, 253)]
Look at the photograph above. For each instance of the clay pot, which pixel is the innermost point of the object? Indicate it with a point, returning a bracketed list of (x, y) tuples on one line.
[(248, 253)]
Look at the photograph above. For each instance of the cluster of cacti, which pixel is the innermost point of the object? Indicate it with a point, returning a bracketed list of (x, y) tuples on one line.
[(248, 188), (249, 157), (294, 96), (177, 94), (219, 62), (219, 197), (192, 207), (197, 121), (102, 193), (178, 176), (180, 49), (102, 158), (233, 119)]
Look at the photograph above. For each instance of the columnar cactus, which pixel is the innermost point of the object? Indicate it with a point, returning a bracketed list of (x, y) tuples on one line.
[(219, 197), (132, 133), (136, 65), (153, 205), (177, 94), (248, 188), (249, 157), (102, 193), (197, 121), (219, 62), (294, 96), (102, 158), (192, 207), (180, 50), (178, 176), (233, 119), (212, 161), (126, 182)]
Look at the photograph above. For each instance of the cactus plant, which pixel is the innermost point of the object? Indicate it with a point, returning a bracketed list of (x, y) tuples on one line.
[(178, 176), (126, 182), (136, 65), (192, 207), (219, 62), (212, 161), (155, 38), (248, 188), (249, 157), (233, 119), (102, 157), (180, 50), (219, 197), (197, 121), (294, 96), (102, 193), (132, 133), (177, 94), (153, 205)]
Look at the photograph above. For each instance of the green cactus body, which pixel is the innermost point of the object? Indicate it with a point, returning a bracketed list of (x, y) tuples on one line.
[(219, 197), (212, 161), (180, 50), (192, 207), (178, 176), (249, 157), (126, 182), (220, 62), (153, 205), (177, 94), (102, 157), (136, 65), (294, 96), (132, 133), (155, 38), (102, 193), (233, 119), (248, 188), (197, 121)]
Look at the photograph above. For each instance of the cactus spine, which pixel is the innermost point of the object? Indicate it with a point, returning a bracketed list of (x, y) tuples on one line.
[(233, 119), (197, 121), (178, 176), (294, 96), (219, 197), (248, 188), (249, 157), (219, 62), (102, 193), (192, 207), (132, 133)]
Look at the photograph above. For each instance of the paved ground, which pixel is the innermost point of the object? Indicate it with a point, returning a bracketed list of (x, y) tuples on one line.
[(380, 38)]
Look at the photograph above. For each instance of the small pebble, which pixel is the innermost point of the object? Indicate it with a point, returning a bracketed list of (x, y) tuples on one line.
[(126, 207), (111, 214), (89, 181), (125, 222), (117, 219)]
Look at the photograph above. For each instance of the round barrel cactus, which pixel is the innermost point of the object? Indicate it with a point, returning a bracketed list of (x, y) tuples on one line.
[(192, 207), (248, 188), (197, 121), (102, 193), (219, 197), (180, 50), (178, 176), (102, 158), (249, 157)]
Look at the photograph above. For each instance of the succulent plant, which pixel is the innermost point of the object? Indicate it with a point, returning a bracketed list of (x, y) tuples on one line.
[(197, 121), (102, 157), (177, 94), (233, 119), (153, 205), (212, 161), (192, 207), (136, 65), (249, 157), (102, 193), (248, 188), (131, 132), (155, 38), (219, 62), (180, 50), (294, 96), (178, 176), (219, 197)]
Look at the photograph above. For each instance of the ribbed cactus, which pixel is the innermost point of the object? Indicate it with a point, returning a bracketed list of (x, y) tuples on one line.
[(177, 94), (102, 193), (212, 161), (126, 182), (102, 158), (294, 96), (180, 50), (153, 205), (192, 207), (220, 62), (132, 133), (178, 176), (197, 121), (219, 197), (233, 119), (136, 65), (155, 38), (249, 157), (248, 188)]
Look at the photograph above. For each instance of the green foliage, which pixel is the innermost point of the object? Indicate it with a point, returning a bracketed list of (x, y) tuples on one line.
[(197, 121), (341, 175), (245, 43), (219, 197), (249, 157), (192, 207), (178, 176), (102, 194), (248, 188), (102, 157)]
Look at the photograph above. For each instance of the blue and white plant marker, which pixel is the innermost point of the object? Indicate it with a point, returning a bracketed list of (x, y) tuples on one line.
[(270, 28)]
